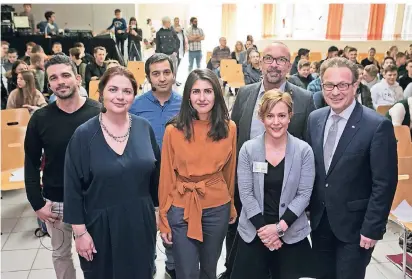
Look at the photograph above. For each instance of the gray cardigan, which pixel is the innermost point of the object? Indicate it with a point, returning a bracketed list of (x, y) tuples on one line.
[(297, 186)]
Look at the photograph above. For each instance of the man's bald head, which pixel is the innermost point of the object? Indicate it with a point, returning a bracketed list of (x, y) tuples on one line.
[(277, 46), (276, 65)]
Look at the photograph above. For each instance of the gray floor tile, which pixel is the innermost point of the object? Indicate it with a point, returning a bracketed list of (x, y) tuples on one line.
[(43, 260), (389, 270), (26, 224), (15, 275), (28, 211), (14, 197), (381, 250), (4, 238), (42, 274), (8, 224), (22, 240), (18, 260), (12, 210), (372, 272)]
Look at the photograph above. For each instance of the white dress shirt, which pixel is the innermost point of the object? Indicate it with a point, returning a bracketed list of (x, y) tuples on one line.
[(341, 124)]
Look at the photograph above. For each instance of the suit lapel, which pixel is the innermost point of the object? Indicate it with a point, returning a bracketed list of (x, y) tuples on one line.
[(349, 132), (290, 153), (261, 157), (246, 118), (321, 131)]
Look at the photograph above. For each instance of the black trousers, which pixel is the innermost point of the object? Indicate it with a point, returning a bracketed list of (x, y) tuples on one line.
[(255, 260), (232, 237), (337, 259), (120, 43)]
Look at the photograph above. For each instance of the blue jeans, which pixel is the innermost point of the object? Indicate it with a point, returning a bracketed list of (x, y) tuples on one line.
[(192, 56)]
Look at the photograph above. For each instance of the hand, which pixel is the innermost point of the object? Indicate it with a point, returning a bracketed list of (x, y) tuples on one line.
[(274, 245), (31, 108), (174, 54), (268, 233), (232, 220), (134, 33), (119, 31), (85, 246), (94, 78), (167, 238), (45, 213), (367, 243)]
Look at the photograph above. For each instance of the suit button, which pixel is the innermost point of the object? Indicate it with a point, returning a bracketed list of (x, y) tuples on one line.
[(327, 185), (323, 203), (282, 205)]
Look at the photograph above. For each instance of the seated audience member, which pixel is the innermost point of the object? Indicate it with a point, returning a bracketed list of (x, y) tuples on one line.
[(49, 27), (249, 38), (315, 85), (249, 44), (363, 94), (393, 50), (37, 66), (370, 60), (251, 71), (4, 49), (408, 91), (352, 55), (303, 77), (148, 50), (409, 52), (387, 91), (57, 48), (406, 78), (17, 68), (12, 56), (120, 26), (370, 76), (273, 226), (400, 113), (303, 53), (314, 69), (86, 57), (346, 52), (237, 53), (388, 60), (81, 67), (220, 52), (333, 51), (341, 53), (97, 68), (26, 95), (111, 63), (26, 57), (401, 63)]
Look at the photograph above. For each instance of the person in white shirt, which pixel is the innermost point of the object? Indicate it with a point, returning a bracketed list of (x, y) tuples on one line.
[(408, 91), (387, 91), (370, 76)]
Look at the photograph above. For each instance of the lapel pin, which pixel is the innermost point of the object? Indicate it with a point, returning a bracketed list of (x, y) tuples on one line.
[(353, 126)]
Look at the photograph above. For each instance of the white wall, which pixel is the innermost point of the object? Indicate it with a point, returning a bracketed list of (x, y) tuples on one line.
[(81, 16)]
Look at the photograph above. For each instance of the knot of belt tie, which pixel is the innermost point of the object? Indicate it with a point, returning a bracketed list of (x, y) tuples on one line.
[(193, 208)]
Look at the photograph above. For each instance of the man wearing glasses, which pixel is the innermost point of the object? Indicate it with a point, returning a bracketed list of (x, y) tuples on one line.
[(275, 63), (356, 175)]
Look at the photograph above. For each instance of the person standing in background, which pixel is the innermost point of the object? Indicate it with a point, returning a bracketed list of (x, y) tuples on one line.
[(49, 27), (182, 38), (120, 27), (194, 36), (149, 32), (158, 106), (135, 37), (27, 12)]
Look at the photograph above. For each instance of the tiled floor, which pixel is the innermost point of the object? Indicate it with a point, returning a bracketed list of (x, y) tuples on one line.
[(24, 257)]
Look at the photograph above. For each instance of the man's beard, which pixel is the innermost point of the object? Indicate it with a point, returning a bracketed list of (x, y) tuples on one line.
[(195, 25), (274, 79), (65, 96)]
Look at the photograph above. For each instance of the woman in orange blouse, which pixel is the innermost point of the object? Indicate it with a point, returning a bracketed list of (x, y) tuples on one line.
[(197, 178)]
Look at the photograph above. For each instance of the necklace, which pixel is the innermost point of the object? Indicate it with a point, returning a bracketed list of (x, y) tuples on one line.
[(116, 138)]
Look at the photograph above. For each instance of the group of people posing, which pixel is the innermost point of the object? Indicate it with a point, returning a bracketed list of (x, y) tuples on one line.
[(117, 171)]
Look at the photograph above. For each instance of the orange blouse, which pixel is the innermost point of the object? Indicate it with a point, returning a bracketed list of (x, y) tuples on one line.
[(195, 175)]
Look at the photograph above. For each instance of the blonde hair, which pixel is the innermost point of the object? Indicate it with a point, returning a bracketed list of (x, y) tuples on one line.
[(271, 98), (372, 70), (239, 43)]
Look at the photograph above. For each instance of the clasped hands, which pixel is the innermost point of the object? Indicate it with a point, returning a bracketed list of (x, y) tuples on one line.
[(269, 236)]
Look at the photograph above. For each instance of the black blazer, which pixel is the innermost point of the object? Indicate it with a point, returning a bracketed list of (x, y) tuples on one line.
[(358, 190)]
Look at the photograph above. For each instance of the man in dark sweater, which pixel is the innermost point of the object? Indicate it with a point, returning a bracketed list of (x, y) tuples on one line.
[(50, 129), (407, 77), (95, 69), (168, 42), (120, 27)]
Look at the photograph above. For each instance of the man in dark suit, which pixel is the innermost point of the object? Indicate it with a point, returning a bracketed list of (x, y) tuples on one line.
[(356, 175), (275, 63)]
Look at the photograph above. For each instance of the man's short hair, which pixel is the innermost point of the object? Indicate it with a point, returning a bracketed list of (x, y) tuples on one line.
[(192, 19), (74, 51), (156, 58), (339, 62), (37, 49), (5, 43), (12, 50), (56, 43), (400, 55), (303, 63), (372, 48), (117, 11), (48, 15), (165, 19), (390, 68), (61, 59), (36, 58), (359, 67), (408, 61), (332, 49), (26, 5), (390, 58), (352, 49), (32, 44), (372, 70), (96, 49), (78, 44)]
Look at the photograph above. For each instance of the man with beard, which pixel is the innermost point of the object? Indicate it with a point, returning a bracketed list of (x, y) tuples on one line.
[(275, 64), (50, 129)]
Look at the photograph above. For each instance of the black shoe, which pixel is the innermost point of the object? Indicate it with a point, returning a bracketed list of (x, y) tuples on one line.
[(171, 273)]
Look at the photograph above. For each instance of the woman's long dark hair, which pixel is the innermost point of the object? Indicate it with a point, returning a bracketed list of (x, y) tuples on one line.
[(219, 118), (27, 95)]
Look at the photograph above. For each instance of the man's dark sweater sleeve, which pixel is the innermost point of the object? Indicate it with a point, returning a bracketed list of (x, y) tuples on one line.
[(177, 42), (157, 42), (32, 162)]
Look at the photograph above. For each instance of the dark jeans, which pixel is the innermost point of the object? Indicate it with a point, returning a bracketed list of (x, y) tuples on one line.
[(194, 55), (188, 253), (336, 259)]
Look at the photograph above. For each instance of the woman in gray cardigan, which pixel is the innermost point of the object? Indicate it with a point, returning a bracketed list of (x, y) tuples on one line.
[(275, 172)]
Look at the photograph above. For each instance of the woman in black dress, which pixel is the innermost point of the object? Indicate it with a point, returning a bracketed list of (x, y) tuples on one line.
[(111, 180)]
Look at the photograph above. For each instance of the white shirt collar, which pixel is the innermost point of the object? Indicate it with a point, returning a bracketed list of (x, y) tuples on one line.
[(346, 113), (262, 88)]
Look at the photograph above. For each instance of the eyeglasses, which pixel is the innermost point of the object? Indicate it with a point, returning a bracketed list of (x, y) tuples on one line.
[(341, 86), (267, 59)]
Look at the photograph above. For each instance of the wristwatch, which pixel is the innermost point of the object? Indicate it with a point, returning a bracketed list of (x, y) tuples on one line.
[(281, 233)]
